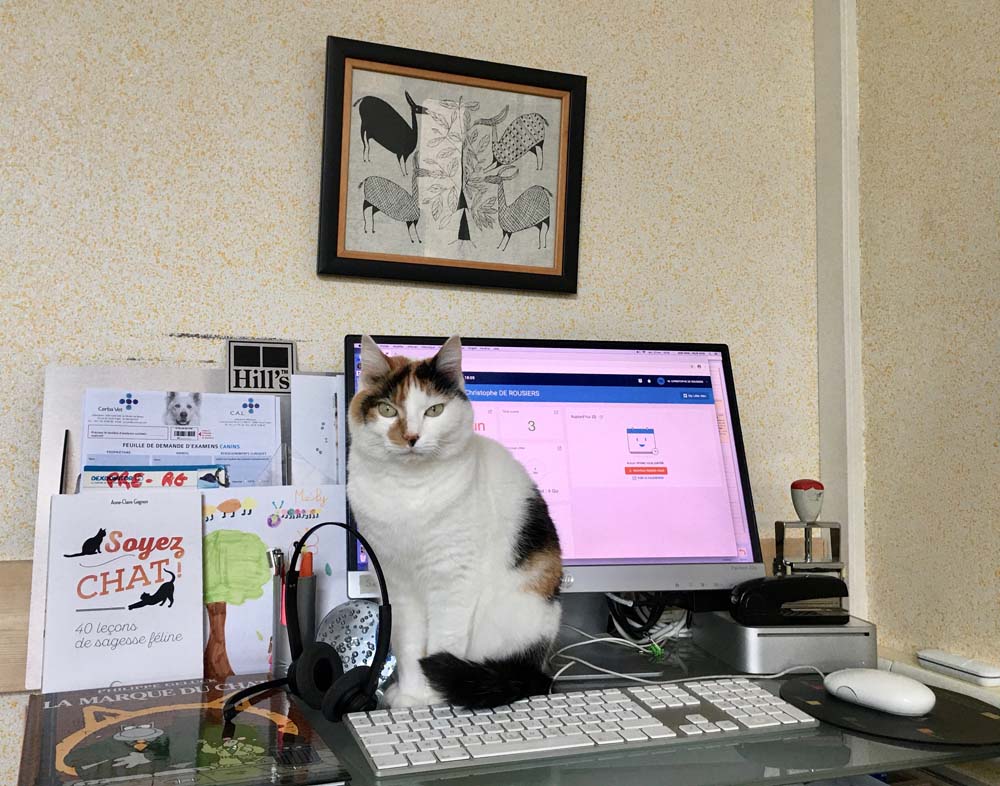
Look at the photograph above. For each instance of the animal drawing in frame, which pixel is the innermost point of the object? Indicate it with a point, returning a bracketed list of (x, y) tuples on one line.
[(449, 170)]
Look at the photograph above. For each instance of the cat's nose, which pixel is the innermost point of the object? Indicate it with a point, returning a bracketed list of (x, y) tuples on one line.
[(412, 439)]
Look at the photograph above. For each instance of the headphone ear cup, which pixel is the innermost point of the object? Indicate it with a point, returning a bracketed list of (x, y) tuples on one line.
[(314, 672), (348, 695)]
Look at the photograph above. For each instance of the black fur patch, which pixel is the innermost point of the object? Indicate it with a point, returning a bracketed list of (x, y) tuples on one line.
[(427, 371), (382, 389), (490, 683), (537, 533)]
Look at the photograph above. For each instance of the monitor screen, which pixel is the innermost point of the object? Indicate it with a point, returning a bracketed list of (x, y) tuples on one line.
[(636, 448)]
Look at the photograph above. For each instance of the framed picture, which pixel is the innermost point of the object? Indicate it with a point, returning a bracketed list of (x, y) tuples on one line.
[(444, 169)]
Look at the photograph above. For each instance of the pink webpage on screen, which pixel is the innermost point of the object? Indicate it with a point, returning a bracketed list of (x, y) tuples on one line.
[(631, 449)]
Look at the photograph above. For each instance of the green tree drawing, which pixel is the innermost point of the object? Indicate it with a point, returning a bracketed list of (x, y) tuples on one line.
[(235, 571)]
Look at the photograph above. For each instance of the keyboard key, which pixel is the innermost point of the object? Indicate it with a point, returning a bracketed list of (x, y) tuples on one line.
[(727, 726), (640, 723), (659, 732), (759, 722), (606, 737), (448, 743), (422, 757), (385, 749), (380, 739), (389, 762), (633, 735), (798, 714), (530, 746), (407, 747), (690, 729), (696, 718), (452, 754)]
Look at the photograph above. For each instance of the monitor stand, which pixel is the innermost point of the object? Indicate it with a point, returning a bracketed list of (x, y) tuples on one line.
[(589, 612)]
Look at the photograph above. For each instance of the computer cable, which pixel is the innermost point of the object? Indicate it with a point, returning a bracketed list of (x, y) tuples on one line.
[(640, 617), (574, 660)]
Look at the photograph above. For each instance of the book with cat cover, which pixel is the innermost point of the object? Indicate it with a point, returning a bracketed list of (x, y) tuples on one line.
[(124, 589), (171, 733)]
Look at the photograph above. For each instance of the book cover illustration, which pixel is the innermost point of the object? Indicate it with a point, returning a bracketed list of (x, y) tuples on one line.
[(240, 529), (171, 733), (124, 589)]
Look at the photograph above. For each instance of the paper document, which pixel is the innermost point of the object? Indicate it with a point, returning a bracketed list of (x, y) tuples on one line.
[(240, 528), (158, 428)]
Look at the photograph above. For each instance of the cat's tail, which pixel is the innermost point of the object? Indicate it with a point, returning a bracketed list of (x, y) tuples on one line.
[(490, 683), (81, 554)]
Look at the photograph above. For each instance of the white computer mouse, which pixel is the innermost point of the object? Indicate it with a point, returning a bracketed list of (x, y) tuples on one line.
[(881, 690)]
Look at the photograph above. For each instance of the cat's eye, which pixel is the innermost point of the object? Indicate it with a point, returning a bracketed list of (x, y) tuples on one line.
[(433, 412), (386, 410)]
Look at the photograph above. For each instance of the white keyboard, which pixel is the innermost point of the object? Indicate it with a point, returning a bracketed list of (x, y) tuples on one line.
[(438, 737)]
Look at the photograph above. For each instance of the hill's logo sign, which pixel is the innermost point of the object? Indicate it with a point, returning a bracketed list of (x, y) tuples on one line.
[(260, 366)]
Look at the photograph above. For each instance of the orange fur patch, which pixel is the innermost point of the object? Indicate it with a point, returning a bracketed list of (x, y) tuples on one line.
[(543, 571)]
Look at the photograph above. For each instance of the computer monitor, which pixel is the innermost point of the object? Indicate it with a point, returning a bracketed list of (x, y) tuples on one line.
[(635, 446)]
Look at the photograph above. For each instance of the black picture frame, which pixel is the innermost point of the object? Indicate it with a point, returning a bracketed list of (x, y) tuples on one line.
[(346, 57)]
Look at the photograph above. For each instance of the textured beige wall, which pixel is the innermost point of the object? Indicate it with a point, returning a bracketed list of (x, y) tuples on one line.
[(930, 251), (161, 176)]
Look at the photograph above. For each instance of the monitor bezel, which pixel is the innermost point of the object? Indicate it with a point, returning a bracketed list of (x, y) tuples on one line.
[(671, 576)]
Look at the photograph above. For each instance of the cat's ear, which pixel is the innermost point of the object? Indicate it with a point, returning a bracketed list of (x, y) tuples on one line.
[(448, 361), (374, 363)]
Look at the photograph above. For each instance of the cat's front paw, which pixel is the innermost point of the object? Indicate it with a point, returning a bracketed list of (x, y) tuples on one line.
[(395, 698)]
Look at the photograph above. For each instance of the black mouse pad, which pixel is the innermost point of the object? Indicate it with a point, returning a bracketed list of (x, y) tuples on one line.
[(956, 719)]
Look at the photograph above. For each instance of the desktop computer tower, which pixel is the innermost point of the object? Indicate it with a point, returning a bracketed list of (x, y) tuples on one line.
[(768, 650)]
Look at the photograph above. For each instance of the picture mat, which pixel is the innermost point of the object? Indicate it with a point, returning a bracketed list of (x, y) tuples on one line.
[(440, 247)]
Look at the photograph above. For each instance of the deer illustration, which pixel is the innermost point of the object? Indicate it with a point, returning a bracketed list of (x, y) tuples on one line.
[(526, 132), (383, 124), (382, 195), (531, 209)]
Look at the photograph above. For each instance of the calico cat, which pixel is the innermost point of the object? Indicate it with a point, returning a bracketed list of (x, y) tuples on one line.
[(92, 545), (164, 593), (471, 557)]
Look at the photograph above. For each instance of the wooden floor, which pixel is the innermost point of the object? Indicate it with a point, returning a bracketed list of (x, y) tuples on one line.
[(15, 591)]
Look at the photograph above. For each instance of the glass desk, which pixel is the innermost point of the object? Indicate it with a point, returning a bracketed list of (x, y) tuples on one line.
[(815, 754)]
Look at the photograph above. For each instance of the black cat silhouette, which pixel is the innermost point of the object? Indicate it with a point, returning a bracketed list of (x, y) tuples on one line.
[(164, 593), (91, 545)]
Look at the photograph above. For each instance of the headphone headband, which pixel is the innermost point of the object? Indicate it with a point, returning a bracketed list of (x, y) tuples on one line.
[(292, 582)]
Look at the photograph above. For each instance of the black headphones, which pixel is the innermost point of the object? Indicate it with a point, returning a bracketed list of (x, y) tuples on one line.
[(316, 674)]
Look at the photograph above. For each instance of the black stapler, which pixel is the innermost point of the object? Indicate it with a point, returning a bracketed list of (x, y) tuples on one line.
[(761, 602)]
